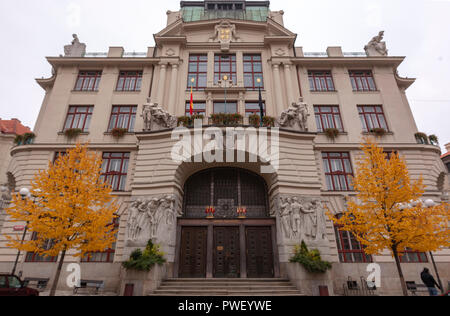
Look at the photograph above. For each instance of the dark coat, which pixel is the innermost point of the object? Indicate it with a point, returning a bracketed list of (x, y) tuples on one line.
[(428, 279)]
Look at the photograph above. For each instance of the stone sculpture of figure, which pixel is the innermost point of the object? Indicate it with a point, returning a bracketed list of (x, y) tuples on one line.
[(296, 218), (155, 118), (132, 226), (76, 49), (285, 214), (309, 220), (295, 117), (321, 224), (376, 47)]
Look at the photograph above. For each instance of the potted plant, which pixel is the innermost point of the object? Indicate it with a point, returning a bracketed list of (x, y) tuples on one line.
[(310, 259), (184, 121), (217, 118), (196, 117), (18, 140), (378, 131), (119, 132), (233, 119), (254, 120), (145, 260), (28, 138), (421, 138), (331, 133), (72, 132), (268, 121), (434, 140)]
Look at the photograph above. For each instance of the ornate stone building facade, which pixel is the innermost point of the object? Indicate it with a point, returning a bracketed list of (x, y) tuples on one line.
[(228, 53)]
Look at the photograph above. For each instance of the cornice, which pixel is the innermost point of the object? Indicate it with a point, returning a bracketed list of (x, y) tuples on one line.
[(106, 61), (353, 61), (59, 146)]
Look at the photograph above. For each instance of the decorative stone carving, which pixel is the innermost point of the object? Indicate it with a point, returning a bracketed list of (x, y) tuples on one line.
[(156, 118), (280, 52), (151, 219), (376, 46), (296, 117), (302, 219), (225, 33), (5, 197), (76, 49)]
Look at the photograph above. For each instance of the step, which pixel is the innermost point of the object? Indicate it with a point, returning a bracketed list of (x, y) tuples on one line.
[(230, 288), (226, 280), (226, 284), (225, 293)]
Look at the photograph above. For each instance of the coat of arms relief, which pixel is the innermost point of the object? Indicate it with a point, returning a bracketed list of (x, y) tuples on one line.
[(225, 33)]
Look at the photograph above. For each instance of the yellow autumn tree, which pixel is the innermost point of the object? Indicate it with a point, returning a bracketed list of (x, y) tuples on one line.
[(387, 212), (71, 207)]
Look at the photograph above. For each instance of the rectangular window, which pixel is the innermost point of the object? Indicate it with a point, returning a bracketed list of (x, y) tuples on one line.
[(253, 72), (225, 65), (372, 116), (228, 108), (34, 257), (410, 256), (122, 117), (79, 117), (328, 116), (198, 72), (88, 81), (349, 248), (253, 108), (338, 171), (106, 256), (115, 169), (321, 81), (199, 108), (362, 80), (129, 81)]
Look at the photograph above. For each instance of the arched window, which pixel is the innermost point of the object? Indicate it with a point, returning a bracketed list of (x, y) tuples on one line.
[(226, 189)]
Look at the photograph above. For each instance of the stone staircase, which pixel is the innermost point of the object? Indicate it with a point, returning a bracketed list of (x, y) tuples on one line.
[(226, 287)]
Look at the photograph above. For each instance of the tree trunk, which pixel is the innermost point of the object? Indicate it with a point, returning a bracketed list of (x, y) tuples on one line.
[(58, 273), (400, 272)]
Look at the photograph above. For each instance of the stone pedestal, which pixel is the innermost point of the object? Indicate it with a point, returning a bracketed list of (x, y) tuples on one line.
[(308, 283), (144, 282)]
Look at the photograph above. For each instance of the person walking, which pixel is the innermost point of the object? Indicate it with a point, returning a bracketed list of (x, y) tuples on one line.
[(430, 282)]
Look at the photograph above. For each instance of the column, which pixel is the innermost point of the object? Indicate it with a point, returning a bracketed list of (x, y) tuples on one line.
[(289, 83), (173, 89), (161, 83), (210, 74), (240, 69), (278, 96)]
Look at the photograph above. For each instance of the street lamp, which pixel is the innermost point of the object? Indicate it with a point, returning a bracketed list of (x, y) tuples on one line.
[(225, 79), (24, 193)]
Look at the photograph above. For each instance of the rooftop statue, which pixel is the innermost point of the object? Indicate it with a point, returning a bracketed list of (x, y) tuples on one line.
[(76, 49), (376, 46)]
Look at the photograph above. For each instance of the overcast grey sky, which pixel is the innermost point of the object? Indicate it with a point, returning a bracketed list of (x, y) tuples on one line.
[(417, 29)]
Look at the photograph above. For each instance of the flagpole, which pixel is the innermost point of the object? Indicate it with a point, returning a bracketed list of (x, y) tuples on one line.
[(261, 107)]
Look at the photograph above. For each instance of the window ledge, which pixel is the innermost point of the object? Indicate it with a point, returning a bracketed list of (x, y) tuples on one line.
[(325, 92), (374, 134), (131, 91), (127, 133), (85, 91), (81, 134), (366, 92), (340, 133)]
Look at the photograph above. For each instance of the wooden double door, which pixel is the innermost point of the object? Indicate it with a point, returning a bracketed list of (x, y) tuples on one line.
[(226, 252)]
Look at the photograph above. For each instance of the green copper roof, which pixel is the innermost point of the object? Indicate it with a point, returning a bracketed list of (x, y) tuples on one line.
[(193, 14)]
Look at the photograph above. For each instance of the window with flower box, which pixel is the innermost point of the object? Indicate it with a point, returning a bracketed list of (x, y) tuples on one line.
[(338, 171), (79, 117), (123, 116), (199, 108), (328, 116), (372, 116), (252, 108)]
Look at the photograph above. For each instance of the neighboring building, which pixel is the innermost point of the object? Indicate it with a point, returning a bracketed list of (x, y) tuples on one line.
[(165, 200), (9, 129)]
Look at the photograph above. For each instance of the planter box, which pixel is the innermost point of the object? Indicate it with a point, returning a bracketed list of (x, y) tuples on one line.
[(309, 283), (144, 283)]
